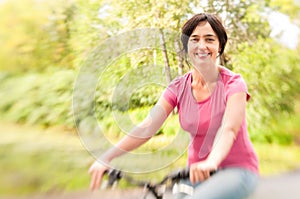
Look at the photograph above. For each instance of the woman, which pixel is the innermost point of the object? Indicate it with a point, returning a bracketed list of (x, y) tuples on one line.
[(211, 102)]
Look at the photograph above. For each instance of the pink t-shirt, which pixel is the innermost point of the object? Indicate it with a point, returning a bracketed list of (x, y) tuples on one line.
[(203, 119)]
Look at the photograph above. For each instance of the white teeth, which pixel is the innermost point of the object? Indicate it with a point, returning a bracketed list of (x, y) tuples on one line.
[(202, 54)]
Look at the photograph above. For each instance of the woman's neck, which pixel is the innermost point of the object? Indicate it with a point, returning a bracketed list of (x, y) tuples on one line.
[(205, 76)]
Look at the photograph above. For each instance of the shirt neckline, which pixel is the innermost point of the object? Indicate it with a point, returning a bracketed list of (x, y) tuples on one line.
[(209, 97)]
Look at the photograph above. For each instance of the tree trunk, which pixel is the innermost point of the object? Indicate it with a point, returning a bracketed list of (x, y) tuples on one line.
[(179, 57), (165, 55)]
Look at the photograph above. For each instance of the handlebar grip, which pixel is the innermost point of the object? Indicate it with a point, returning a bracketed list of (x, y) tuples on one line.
[(212, 172), (179, 174), (113, 176), (185, 173)]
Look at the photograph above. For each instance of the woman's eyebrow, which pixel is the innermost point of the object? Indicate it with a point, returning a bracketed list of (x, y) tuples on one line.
[(207, 35), (194, 35)]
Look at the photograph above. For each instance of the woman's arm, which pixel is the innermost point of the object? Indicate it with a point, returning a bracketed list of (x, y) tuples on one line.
[(141, 133), (138, 136), (227, 133)]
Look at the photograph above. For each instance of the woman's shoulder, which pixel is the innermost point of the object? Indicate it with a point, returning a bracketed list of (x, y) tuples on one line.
[(228, 75), (233, 82), (181, 78), (179, 83), (176, 87), (226, 72)]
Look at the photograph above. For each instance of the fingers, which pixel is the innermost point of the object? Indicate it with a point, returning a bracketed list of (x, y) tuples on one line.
[(198, 174), (96, 180), (96, 171)]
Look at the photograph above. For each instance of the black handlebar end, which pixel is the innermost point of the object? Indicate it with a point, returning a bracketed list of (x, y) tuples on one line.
[(113, 176)]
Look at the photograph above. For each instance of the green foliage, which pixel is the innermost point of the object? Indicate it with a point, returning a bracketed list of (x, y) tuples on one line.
[(47, 36), (110, 127), (272, 76), (35, 35), (89, 27), (167, 14), (145, 96), (35, 98), (289, 7)]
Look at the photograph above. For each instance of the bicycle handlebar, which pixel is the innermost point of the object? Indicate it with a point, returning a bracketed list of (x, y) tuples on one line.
[(115, 175)]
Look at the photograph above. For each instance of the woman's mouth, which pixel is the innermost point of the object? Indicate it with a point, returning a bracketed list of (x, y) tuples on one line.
[(202, 54)]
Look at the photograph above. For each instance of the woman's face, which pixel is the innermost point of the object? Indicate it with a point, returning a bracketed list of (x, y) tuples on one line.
[(203, 45)]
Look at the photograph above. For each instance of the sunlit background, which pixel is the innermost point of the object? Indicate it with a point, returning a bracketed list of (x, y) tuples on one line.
[(45, 43)]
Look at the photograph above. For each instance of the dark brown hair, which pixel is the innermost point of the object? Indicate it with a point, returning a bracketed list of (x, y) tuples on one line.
[(215, 23)]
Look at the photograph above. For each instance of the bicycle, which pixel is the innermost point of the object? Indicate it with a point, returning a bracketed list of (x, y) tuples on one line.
[(160, 189)]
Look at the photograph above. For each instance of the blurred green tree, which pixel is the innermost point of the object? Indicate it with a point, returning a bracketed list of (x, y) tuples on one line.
[(35, 35), (46, 37)]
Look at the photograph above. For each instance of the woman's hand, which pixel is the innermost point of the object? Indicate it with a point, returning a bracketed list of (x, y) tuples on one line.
[(96, 171), (200, 171)]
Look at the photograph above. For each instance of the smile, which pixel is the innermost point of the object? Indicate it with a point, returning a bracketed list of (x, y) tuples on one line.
[(202, 54)]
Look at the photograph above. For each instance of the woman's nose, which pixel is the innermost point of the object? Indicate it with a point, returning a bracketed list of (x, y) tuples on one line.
[(201, 44)]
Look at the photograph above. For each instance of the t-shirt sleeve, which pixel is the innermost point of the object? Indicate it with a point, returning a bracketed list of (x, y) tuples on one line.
[(237, 84), (171, 92)]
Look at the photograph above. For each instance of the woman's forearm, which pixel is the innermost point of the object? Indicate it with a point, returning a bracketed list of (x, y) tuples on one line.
[(231, 124), (221, 147), (138, 135), (128, 143)]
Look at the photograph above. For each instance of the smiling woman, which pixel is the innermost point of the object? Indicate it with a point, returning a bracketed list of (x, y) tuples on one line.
[(211, 102), (203, 45), (215, 29)]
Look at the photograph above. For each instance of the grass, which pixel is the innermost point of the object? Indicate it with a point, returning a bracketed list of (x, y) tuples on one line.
[(35, 160), (276, 158)]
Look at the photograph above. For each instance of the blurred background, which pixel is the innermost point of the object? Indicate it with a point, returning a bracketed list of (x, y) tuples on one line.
[(44, 44)]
